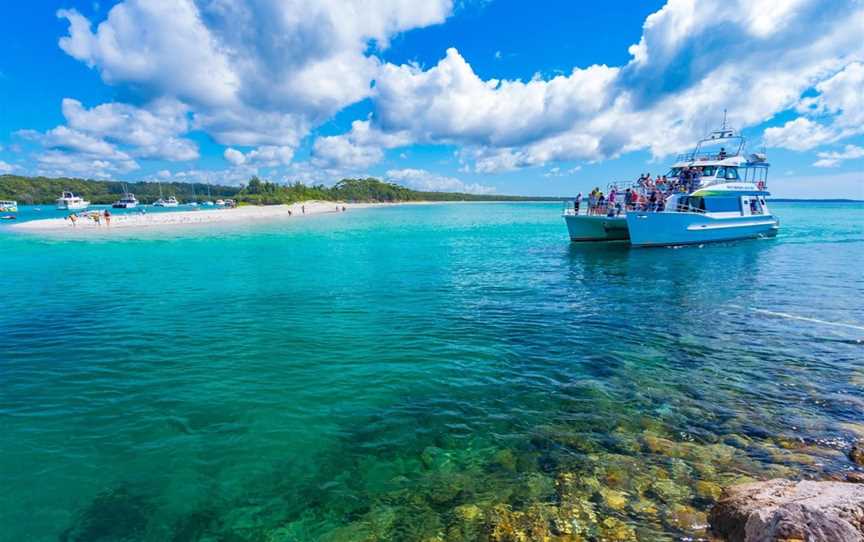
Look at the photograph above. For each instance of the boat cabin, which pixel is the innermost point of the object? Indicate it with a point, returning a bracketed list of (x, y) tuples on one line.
[(720, 159), (751, 171), (730, 205)]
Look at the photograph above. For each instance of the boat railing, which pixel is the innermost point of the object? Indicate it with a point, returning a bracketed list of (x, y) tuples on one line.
[(693, 156), (568, 209)]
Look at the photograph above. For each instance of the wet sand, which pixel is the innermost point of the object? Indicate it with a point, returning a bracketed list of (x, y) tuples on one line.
[(144, 221)]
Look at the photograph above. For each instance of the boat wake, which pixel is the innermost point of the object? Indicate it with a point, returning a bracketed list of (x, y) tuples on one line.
[(804, 318)]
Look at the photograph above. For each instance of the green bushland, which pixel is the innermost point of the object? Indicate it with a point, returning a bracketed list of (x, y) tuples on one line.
[(42, 190)]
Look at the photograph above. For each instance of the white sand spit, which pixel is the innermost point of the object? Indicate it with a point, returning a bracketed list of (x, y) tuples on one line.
[(140, 221)]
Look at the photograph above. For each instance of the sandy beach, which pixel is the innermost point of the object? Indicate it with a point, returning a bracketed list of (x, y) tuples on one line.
[(145, 221)]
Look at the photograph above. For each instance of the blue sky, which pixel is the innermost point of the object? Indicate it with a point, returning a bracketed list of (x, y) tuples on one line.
[(546, 98)]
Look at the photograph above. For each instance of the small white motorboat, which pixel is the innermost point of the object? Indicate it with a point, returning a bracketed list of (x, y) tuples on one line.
[(8, 206), (170, 202), (70, 202)]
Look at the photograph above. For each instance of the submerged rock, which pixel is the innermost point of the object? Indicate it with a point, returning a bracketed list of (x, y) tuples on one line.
[(616, 500), (708, 490), (507, 525), (116, 515), (686, 518), (856, 454), (780, 510), (615, 530)]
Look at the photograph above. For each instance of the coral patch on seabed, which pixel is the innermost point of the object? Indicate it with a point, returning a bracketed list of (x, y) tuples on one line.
[(659, 488)]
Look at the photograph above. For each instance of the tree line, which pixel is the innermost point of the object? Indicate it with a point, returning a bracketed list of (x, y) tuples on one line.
[(42, 190)]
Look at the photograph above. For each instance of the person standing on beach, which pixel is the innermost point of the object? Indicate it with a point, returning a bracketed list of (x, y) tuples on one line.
[(73, 218), (303, 208), (107, 215)]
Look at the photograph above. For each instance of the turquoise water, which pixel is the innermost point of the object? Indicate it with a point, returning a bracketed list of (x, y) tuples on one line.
[(441, 372), (39, 212)]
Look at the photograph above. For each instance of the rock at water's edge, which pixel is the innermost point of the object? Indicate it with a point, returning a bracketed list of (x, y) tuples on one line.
[(779, 510), (856, 454), (855, 477)]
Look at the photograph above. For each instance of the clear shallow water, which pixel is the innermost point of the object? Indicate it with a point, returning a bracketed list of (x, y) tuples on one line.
[(40, 212), (444, 372)]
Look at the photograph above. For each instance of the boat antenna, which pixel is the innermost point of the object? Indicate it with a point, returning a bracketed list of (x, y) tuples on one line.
[(724, 119)]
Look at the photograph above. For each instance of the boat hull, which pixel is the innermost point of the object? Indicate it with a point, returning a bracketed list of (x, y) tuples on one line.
[(594, 228), (70, 206), (670, 229)]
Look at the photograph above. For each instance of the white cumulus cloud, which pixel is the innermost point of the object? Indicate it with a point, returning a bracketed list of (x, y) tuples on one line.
[(254, 73), (357, 149), (661, 101), (840, 100), (421, 179), (263, 74), (833, 159), (265, 155), (151, 132), (234, 156)]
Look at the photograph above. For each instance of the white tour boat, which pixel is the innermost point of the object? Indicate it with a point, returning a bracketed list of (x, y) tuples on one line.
[(170, 202), (70, 202), (128, 201), (715, 193), (8, 206)]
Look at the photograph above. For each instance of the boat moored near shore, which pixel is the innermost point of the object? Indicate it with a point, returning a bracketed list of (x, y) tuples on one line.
[(724, 198), (716, 193), (171, 201), (127, 201), (70, 202)]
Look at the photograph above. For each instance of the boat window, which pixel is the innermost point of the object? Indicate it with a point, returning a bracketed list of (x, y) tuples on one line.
[(707, 171), (723, 205), (721, 172), (755, 207), (673, 172), (732, 173)]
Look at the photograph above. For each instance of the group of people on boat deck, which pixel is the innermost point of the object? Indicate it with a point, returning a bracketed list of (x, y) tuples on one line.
[(646, 195), (619, 201), (688, 179)]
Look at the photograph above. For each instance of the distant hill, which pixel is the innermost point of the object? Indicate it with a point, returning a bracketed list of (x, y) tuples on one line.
[(43, 190), (358, 190)]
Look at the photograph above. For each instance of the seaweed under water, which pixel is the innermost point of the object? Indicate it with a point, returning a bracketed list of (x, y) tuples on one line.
[(434, 373)]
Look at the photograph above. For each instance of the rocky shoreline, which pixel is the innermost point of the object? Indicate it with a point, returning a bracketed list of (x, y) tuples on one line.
[(784, 510)]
